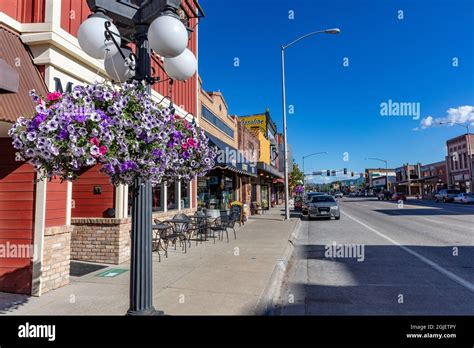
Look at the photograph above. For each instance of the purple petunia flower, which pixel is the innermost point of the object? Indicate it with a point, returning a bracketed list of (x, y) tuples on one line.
[(31, 136), (63, 134), (80, 117)]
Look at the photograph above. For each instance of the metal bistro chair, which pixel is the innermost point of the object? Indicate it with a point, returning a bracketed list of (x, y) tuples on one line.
[(182, 224), (167, 236), (220, 226), (234, 217), (200, 225)]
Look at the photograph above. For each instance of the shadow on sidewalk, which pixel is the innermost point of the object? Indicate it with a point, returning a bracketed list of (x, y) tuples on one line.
[(12, 301)]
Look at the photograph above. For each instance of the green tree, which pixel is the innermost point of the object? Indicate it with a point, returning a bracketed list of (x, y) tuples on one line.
[(295, 178)]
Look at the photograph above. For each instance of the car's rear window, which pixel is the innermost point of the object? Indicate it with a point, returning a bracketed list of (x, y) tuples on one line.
[(316, 199), (454, 191)]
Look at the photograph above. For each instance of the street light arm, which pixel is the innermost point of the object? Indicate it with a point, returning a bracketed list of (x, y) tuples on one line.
[(316, 153), (457, 123), (377, 159), (303, 37)]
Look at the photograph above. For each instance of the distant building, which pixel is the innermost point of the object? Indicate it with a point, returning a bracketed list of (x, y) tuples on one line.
[(459, 162), (407, 179), (433, 178), (268, 166), (376, 178)]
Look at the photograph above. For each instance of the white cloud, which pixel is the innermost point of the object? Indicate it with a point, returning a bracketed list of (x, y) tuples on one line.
[(461, 114)]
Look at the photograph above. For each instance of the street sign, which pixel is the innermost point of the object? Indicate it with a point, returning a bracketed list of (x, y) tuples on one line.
[(112, 273)]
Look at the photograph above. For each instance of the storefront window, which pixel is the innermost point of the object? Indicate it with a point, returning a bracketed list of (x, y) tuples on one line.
[(265, 196), (157, 198), (216, 191), (172, 195), (185, 195), (203, 192)]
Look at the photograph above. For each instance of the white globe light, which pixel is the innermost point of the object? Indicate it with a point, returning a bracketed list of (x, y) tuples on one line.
[(181, 67), (116, 66), (91, 37), (168, 36)]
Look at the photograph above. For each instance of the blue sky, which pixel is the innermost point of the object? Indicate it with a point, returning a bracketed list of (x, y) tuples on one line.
[(337, 108)]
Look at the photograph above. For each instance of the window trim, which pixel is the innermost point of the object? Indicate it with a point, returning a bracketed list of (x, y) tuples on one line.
[(215, 124)]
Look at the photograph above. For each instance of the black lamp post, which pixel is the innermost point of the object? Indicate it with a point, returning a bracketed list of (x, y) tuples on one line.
[(132, 19)]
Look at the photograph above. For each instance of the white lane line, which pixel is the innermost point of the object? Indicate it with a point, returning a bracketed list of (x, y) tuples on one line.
[(430, 263), (438, 222), (427, 219), (445, 223)]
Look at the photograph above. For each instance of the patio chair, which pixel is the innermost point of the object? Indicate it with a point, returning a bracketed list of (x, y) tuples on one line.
[(231, 224), (200, 225), (183, 228), (220, 226), (168, 236)]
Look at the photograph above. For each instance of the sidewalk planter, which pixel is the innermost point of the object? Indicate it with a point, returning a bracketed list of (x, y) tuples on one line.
[(102, 240)]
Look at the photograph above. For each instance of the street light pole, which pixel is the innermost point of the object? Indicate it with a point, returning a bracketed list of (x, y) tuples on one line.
[(285, 138), (285, 141), (386, 169), (132, 22), (141, 285)]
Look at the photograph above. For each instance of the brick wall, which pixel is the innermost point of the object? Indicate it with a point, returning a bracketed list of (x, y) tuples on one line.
[(247, 141), (101, 240), (56, 257)]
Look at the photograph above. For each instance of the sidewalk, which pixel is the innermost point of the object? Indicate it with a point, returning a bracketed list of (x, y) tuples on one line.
[(210, 279)]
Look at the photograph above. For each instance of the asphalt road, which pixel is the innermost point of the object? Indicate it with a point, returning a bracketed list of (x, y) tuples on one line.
[(383, 259)]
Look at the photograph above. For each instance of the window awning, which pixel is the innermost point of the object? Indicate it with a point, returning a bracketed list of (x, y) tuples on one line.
[(230, 158), (269, 169), (17, 63)]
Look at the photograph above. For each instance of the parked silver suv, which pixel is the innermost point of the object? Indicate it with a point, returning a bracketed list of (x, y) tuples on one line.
[(323, 206), (446, 195)]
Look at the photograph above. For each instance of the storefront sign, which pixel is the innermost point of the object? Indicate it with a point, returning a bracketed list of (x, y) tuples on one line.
[(255, 121)]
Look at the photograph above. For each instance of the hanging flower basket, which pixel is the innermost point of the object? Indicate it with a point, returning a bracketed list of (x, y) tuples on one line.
[(191, 153), (118, 126)]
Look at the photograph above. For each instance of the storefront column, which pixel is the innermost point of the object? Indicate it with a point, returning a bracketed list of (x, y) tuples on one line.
[(178, 195), (68, 203), (38, 240), (165, 196)]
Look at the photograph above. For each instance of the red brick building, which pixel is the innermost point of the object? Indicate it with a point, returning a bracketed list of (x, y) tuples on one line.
[(459, 162), (249, 144)]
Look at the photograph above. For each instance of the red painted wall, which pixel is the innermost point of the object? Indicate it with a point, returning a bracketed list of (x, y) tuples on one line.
[(17, 205), (73, 13), (56, 201), (24, 11), (88, 204)]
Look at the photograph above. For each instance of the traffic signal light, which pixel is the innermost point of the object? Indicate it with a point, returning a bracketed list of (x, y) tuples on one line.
[(352, 173), (328, 172), (345, 171)]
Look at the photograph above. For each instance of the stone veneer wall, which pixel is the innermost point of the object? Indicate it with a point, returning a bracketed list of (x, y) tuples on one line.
[(102, 240), (56, 257)]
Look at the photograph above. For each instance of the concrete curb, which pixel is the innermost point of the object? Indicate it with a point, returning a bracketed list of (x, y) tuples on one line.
[(270, 294)]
